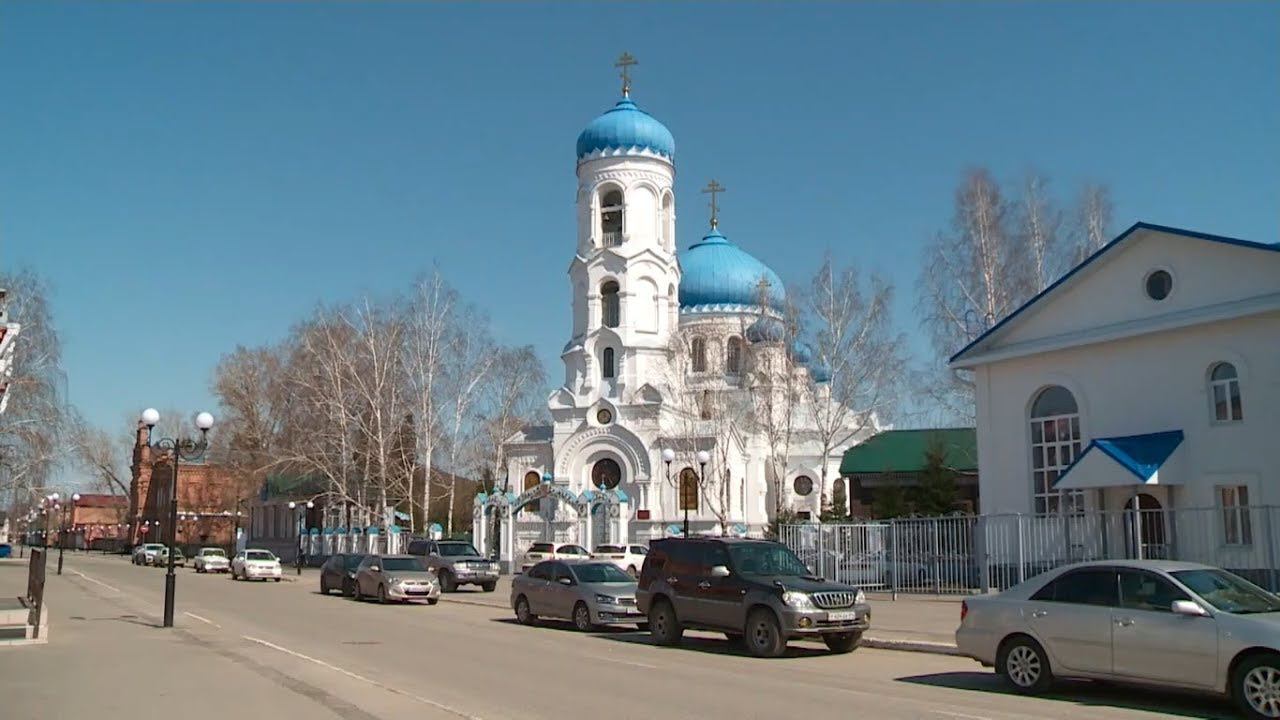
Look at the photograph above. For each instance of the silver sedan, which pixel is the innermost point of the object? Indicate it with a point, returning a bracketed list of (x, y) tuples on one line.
[(1167, 623), (396, 577), (590, 593)]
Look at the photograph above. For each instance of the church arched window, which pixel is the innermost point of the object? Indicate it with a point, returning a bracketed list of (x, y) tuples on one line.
[(608, 364), (733, 356), (611, 303), (668, 221), (611, 218), (698, 355)]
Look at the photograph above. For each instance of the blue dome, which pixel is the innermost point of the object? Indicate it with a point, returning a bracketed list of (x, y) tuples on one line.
[(766, 330), (626, 127), (717, 272)]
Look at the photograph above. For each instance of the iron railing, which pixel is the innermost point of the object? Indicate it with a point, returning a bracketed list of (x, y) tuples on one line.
[(979, 553)]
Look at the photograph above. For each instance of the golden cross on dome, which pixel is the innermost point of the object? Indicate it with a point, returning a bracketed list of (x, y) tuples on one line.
[(625, 62), (713, 188)]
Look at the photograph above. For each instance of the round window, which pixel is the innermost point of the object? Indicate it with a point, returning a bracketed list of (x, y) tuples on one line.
[(606, 474), (1159, 285), (804, 485), (604, 417)]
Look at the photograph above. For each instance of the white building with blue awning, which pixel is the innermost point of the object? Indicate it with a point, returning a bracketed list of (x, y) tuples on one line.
[(1146, 379)]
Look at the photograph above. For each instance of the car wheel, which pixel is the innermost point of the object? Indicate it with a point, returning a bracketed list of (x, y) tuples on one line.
[(663, 624), (763, 635), (582, 617), (277, 579), (348, 588), (324, 586), (382, 594), (1255, 686), (433, 601), (1023, 663), (355, 592), (447, 583), (489, 586), (523, 614), (842, 642)]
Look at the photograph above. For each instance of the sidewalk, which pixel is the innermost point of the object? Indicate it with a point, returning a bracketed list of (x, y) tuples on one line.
[(918, 624)]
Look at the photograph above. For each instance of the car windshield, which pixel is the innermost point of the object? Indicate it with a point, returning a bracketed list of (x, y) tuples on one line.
[(351, 562), (213, 553), (541, 547), (1229, 593), (609, 549), (259, 555), (457, 549), (766, 559), (600, 573), (404, 564)]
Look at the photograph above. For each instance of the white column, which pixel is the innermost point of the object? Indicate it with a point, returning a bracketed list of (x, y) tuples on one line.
[(479, 528), (624, 513), (585, 526)]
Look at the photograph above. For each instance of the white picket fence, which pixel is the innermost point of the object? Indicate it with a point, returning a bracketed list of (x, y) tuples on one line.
[(977, 553)]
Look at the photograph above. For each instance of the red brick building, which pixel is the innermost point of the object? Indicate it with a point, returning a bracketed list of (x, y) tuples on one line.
[(207, 495), (98, 520)]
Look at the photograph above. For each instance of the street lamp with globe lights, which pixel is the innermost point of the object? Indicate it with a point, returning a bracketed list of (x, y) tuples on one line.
[(302, 509), (62, 532), (180, 449)]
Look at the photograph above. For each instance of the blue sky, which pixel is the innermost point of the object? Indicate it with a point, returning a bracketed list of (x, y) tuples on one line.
[(193, 176)]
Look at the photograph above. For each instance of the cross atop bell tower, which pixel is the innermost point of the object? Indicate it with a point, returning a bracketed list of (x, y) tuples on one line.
[(625, 61), (714, 188)]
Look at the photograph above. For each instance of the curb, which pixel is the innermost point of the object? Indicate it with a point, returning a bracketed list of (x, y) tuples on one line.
[(920, 646)]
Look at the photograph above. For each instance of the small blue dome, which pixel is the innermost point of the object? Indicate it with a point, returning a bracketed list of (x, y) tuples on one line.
[(717, 272), (626, 127), (766, 330), (820, 373), (800, 353)]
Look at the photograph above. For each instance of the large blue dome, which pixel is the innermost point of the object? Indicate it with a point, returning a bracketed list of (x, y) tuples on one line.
[(717, 272), (626, 127)]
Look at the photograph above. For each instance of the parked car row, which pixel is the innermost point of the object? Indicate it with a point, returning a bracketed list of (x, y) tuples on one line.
[(385, 578), (627, 558), (756, 592)]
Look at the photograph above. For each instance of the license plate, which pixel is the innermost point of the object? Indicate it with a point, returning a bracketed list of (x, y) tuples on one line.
[(843, 616)]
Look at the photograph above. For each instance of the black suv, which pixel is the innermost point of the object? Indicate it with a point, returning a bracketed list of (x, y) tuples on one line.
[(751, 590)]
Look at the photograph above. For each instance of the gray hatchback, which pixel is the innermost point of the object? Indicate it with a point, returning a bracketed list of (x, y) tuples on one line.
[(590, 593)]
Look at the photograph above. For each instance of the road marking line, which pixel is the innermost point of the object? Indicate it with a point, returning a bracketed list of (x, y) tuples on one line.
[(960, 715), (375, 683), (99, 582), (202, 619), (625, 662)]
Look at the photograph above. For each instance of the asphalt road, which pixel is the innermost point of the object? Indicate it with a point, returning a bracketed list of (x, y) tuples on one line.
[(307, 655)]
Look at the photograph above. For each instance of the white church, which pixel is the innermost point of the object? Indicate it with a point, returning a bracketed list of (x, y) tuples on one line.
[(669, 353)]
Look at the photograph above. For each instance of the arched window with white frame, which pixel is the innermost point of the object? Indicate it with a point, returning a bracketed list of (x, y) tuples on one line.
[(611, 304), (733, 356), (1055, 443), (698, 355), (611, 210), (1224, 388)]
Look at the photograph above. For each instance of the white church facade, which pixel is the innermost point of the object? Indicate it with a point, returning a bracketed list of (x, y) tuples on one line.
[(668, 355)]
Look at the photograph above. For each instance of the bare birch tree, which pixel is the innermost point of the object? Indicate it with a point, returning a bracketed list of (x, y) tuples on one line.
[(1093, 221), (36, 413), (430, 328), (472, 355), (774, 383), (856, 349)]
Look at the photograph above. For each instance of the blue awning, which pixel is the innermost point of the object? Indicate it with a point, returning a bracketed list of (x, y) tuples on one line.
[(1122, 462)]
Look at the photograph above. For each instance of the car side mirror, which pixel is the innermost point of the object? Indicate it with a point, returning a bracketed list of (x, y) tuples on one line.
[(1189, 608), (374, 568), (566, 581), (720, 571)]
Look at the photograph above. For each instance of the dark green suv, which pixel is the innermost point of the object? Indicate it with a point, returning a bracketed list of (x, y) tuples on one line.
[(753, 591)]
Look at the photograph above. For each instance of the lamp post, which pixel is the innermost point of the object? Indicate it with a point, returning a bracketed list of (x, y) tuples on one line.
[(180, 448), (302, 527), (703, 458), (62, 534)]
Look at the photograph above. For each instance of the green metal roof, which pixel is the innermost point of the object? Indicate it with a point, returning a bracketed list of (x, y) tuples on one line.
[(902, 451)]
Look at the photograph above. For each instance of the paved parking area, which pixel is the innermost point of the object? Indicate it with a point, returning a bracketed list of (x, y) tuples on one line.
[(267, 649)]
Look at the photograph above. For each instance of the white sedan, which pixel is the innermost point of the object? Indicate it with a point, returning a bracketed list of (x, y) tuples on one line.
[(211, 559), (256, 565), (1154, 622), (628, 558)]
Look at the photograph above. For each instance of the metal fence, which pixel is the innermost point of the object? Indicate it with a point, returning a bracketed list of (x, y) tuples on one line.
[(978, 553)]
